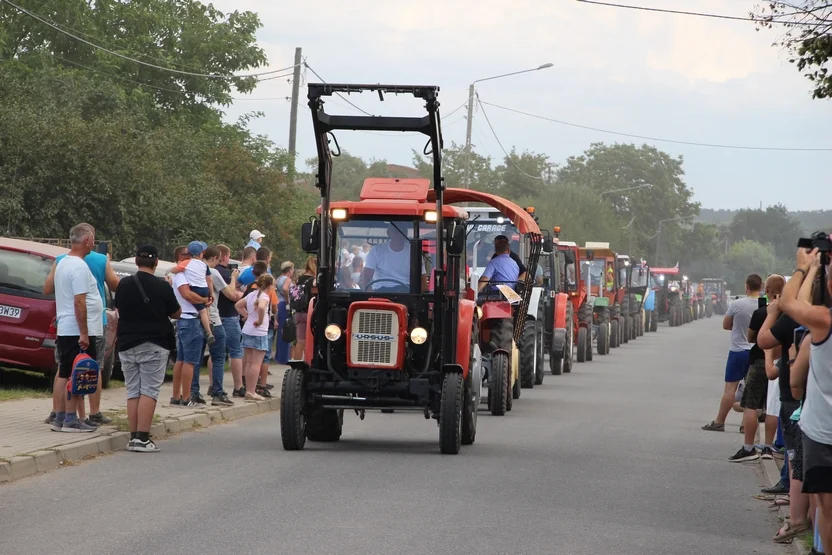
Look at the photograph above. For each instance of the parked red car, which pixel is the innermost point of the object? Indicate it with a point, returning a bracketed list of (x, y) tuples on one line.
[(27, 316)]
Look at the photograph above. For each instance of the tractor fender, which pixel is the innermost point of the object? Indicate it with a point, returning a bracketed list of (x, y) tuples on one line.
[(534, 301), (495, 310), (464, 328), (561, 301), (650, 300)]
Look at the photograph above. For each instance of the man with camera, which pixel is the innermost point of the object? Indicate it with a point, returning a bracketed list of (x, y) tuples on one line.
[(815, 419)]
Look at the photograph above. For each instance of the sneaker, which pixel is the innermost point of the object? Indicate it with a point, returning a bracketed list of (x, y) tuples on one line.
[(57, 425), (175, 402), (89, 422), (211, 339), (50, 418), (190, 403), (139, 446), (766, 453), (714, 427), (198, 399), (745, 456), (221, 400), (100, 419), (777, 489), (239, 392), (76, 426)]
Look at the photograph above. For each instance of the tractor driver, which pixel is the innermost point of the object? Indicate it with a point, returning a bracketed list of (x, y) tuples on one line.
[(610, 277), (388, 264), (503, 268)]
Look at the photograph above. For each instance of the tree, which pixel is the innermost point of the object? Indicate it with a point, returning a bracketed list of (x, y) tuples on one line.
[(748, 257), (522, 175), (808, 37), (662, 192), (773, 226), (698, 251), (349, 173), (483, 176)]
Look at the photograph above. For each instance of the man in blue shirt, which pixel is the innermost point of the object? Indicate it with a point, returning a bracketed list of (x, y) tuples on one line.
[(99, 265), (247, 276), (501, 269)]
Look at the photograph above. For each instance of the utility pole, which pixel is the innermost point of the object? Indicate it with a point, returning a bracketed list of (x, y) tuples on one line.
[(468, 136), (293, 117), (658, 238)]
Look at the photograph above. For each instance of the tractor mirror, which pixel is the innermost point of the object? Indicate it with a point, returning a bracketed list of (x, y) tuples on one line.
[(547, 245), (590, 255), (310, 236), (569, 257), (456, 239)]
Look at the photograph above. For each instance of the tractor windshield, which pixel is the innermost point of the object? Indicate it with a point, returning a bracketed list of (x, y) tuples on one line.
[(592, 272), (640, 276), (481, 235), (374, 255)]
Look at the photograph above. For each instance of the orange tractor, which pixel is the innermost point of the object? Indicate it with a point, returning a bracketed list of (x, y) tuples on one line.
[(580, 327)]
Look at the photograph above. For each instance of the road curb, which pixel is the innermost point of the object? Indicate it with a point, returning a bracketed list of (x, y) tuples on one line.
[(772, 473), (37, 462)]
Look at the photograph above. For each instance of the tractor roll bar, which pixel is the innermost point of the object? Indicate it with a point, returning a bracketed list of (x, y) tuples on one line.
[(430, 125)]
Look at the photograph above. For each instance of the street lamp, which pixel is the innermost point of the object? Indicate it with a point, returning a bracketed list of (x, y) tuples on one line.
[(471, 115), (625, 189), (659, 232)]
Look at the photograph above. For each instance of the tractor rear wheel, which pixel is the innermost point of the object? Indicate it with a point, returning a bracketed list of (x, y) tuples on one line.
[(654, 321), (627, 329), (324, 425), (615, 334), (450, 413), (581, 344), (498, 383), (515, 392), (589, 344), (292, 411), (565, 364), (538, 349), (603, 339), (527, 349)]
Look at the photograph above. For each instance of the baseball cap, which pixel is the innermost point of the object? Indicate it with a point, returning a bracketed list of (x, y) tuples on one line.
[(255, 235), (147, 251), (195, 248)]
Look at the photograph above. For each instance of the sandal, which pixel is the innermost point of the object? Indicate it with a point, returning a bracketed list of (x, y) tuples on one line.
[(714, 427), (264, 392), (789, 531), (252, 397)]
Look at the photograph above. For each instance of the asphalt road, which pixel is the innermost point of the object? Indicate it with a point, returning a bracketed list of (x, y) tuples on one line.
[(609, 459)]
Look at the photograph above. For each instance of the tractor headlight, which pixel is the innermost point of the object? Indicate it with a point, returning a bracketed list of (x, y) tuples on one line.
[(418, 335), (332, 332), (339, 214), (430, 216)]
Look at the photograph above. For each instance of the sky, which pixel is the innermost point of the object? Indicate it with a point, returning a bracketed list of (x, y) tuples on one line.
[(650, 74)]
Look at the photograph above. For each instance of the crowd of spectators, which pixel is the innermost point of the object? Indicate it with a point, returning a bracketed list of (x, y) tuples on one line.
[(780, 360)]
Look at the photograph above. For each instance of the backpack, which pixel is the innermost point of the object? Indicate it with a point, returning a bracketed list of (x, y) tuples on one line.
[(299, 295), (84, 378)]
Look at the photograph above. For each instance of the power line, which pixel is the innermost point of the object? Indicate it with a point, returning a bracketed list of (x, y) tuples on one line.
[(341, 96), (510, 159), (128, 58), (657, 139), (701, 14)]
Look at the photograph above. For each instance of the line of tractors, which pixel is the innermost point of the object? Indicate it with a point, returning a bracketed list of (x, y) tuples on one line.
[(417, 329)]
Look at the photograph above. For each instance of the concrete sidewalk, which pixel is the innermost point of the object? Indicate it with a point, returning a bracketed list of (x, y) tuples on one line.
[(27, 445)]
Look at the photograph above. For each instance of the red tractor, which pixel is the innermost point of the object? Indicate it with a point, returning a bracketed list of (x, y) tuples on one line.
[(577, 313), (405, 336)]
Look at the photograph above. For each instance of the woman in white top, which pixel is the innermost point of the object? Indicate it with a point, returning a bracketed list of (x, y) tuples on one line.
[(254, 308)]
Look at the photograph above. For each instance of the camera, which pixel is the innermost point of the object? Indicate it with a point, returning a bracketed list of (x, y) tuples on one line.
[(819, 240)]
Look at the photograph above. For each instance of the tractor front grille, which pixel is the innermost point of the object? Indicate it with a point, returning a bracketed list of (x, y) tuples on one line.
[(374, 338)]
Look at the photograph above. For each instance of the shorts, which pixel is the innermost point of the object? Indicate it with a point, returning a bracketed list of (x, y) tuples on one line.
[(144, 370), (773, 399), (737, 366), (202, 292), (270, 338), (789, 425), (817, 466), (797, 458), (256, 342), (756, 384), (300, 325), (233, 337), (189, 341), (68, 348)]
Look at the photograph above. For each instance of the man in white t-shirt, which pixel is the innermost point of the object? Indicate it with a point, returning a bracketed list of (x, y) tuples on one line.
[(79, 315), (388, 265)]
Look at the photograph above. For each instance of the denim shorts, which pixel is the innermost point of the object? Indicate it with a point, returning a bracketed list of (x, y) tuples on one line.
[(257, 342), (268, 356), (737, 366), (233, 337), (189, 340)]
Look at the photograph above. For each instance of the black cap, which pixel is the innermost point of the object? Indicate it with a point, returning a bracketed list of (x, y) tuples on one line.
[(147, 251), (500, 238)]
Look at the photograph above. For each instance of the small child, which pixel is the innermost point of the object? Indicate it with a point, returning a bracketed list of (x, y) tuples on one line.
[(197, 272)]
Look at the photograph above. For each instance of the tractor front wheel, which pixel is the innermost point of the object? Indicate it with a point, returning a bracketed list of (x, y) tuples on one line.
[(603, 339), (450, 413), (292, 411), (581, 345), (324, 425), (498, 383), (615, 334), (527, 349)]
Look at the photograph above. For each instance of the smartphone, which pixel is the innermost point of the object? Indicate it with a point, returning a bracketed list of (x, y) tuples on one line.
[(233, 267)]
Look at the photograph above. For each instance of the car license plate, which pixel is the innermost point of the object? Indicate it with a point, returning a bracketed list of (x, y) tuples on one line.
[(10, 311)]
